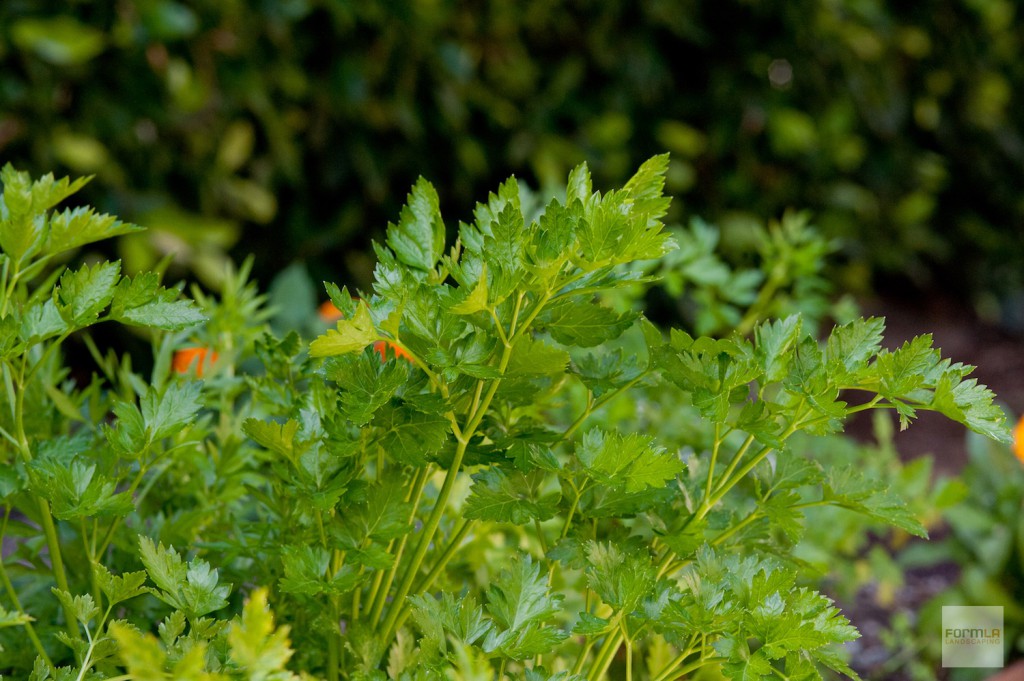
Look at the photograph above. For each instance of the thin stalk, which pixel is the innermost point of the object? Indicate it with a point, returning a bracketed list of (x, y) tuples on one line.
[(605, 655), (13, 595), (594, 405), (629, 660), (582, 658), (714, 460), (9, 284), (697, 664), (775, 279), (501, 669), (424, 584), (108, 536), (666, 672), (378, 595), (45, 516), (442, 562), (333, 655), (577, 493), (740, 453), (540, 537), (57, 563), (430, 527), (93, 579)]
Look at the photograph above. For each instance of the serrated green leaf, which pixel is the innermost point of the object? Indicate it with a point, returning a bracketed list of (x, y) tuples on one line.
[(621, 578), (505, 241), (520, 604), (351, 335), (13, 619), (83, 607), (418, 238), (407, 435), (847, 488), (385, 513), (277, 437), (476, 300), (306, 573), (851, 346), (193, 588), (169, 411), (119, 588), (201, 591), (906, 369), (508, 498), (365, 383), (77, 490), (256, 646), (971, 404), (579, 186), (772, 341), (82, 294), (632, 461), (591, 625), (164, 566), (582, 323), (40, 322), (80, 226), (141, 653), (519, 596), (532, 356), (141, 301), (22, 219)]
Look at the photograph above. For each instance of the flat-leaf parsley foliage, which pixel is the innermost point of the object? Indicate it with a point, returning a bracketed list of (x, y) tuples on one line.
[(470, 506)]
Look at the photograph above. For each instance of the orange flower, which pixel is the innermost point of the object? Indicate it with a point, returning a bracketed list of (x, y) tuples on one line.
[(329, 313), (187, 358), (382, 348), (1018, 439)]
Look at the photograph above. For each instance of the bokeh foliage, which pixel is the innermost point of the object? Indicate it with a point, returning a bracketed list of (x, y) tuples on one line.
[(293, 127)]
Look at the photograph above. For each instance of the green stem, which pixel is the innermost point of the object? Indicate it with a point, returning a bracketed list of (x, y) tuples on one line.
[(714, 460), (333, 655), (753, 314), (430, 527), (740, 453), (45, 517), (13, 595), (501, 669), (582, 658), (605, 655), (379, 595), (629, 659), (666, 672), (57, 563), (424, 584), (594, 405), (8, 284), (540, 538), (93, 579), (577, 493), (442, 562), (108, 536)]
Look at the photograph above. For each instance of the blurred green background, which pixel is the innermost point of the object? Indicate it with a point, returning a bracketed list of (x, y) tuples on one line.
[(294, 128)]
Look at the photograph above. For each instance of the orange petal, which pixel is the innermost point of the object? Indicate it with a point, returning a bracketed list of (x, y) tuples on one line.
[(382, 347), (187, 358), (328, 312), (1018, 439)]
